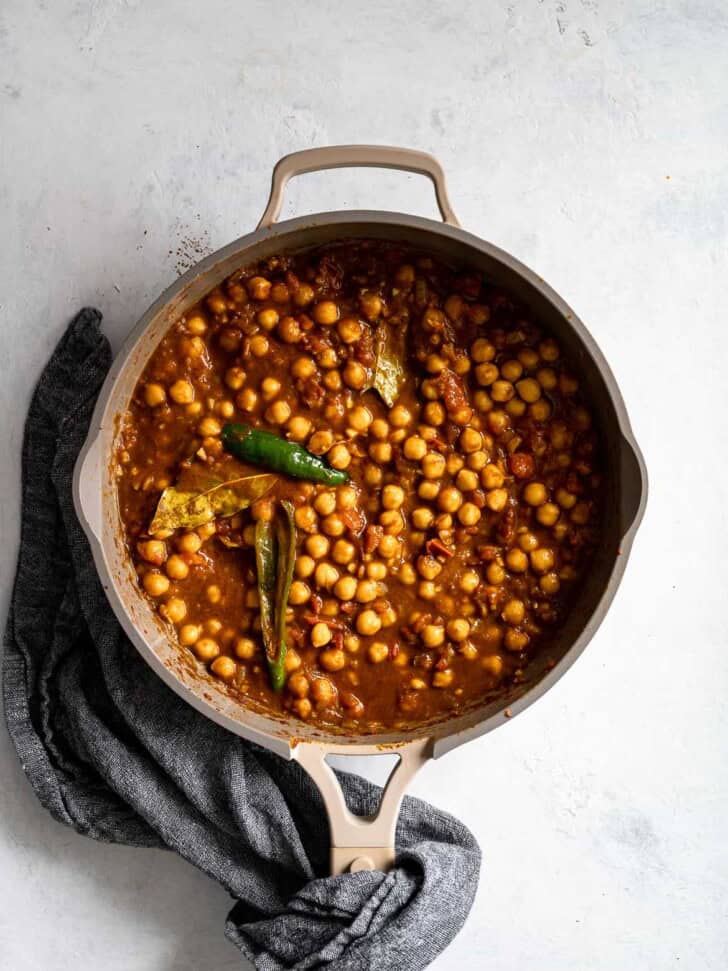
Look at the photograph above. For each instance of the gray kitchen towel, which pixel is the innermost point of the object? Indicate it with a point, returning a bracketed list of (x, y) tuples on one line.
[(115, 754)]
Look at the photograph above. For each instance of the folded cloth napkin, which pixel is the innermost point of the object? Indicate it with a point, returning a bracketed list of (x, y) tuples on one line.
[(115, 754)]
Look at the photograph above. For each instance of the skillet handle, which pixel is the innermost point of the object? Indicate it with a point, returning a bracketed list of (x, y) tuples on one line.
[(349, 156), (362, 842)]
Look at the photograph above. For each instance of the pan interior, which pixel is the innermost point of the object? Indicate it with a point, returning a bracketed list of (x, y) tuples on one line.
[(620, 504)]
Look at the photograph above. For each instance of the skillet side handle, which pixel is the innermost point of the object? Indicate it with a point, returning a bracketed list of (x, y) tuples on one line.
[(351, 156), (633, 472), (362, 842), (87, 488)]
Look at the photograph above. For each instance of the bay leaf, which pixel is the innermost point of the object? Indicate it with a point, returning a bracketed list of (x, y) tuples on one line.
[(186, 506), (389, 372)]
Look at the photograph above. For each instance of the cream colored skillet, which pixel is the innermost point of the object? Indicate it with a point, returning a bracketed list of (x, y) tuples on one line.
[(356, 843)]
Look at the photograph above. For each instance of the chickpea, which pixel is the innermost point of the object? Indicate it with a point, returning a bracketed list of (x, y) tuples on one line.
[(443, 679), (332, 659), (542, 559), (259, 345), (450, 499), (492, 477), (380, 452), (304, 566), (371, 305), (244, 648), (333, 525), (192, 347), (278, 413), (495, 574), (535, 494), (302, 707), (246, 399), (566, 499), (469, 582), (407, 574), (469, 514), (206, 649), (327, 358), (502, 391), (214, 595), (428, 489), (580, 514), (435, 363), (354, 375), (458, 629), (511, 370), (427, 590), (289, 330), (352, 643), (515, 408), (470, 440), (153, 551), (270, 388), (515, 640), (182, 392), (303, 368), (360, 418), (454, 306), (326, 313), (299, 593), (326, 575), (486, 375), (376, 570), (303, 295), (323, 691), (388, 547), (339, 457), (293, 660), (196, 325), (514, 612), (258, 288), (343, 552), (366, 591), (548, 514), (155, 584), (422, 518), (317, 545), (346, 497), (549, 350), (428, 567), (468, 650), (320, 634), (549, 584), (529, 389), (496, 499), (378, 652), (298, 684), (154, 395), (400, 416), (516, 561), (189, 634), (392, 497), (405, 275), (224, 667), (540, 410), (368, 623), (415, 448), (482, 350), (345, 588), (279, 293), (320, 442), (434, 414), (349, 330), (373, 475), (433, 465), (174, 610), (305, 518), (298, 428)]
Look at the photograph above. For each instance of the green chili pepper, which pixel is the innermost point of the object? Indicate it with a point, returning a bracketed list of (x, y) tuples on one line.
[(278, 455), (275, 555)]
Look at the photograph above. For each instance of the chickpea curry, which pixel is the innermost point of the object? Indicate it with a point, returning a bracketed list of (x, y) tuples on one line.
[(360, 486)]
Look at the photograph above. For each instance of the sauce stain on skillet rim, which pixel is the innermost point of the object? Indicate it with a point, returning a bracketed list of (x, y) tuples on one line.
[(95, 494)]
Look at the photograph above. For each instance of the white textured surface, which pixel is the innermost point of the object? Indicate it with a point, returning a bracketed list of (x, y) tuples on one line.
[(128, 130)]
